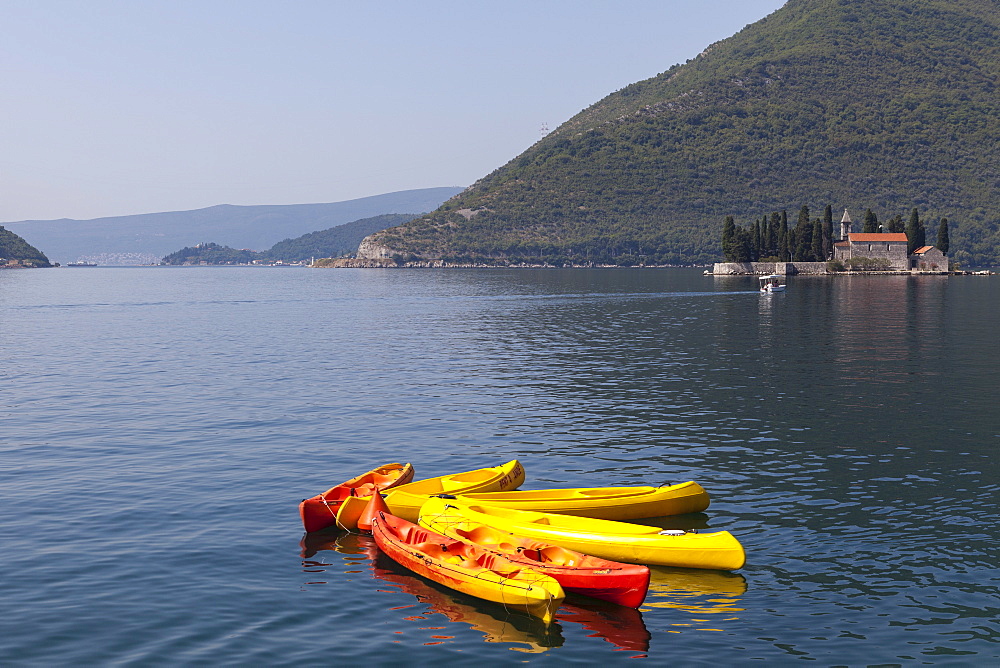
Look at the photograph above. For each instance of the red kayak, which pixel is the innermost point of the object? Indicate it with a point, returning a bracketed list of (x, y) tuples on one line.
[(320, 511), (578, 573)]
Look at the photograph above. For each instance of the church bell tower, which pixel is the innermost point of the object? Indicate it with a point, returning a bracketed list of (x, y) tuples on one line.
[(845, 226)]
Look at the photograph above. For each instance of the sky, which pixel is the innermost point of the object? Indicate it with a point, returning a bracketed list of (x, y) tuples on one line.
[(118, 107)]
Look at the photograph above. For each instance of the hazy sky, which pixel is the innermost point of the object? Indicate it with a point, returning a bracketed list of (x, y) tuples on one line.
[(113, 107)]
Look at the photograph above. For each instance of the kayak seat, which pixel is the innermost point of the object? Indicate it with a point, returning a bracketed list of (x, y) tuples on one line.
[(557, 556), (435, 550), (531, 553)]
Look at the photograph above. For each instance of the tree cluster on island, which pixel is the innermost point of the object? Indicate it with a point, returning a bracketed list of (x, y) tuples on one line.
[(770, 239)]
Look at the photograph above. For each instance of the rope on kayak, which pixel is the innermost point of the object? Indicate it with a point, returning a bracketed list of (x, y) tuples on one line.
[(327, 504)]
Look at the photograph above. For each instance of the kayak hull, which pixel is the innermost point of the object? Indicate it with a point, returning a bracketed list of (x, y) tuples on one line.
[(608, 503), (466, 568), (618, 541), (405, 501), (578, 573), (320, 511)]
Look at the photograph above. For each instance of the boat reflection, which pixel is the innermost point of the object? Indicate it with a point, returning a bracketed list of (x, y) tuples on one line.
[(530, 633), (712, 598), (620, 626)]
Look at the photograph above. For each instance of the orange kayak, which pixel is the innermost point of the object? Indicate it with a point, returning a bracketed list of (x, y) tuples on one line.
[(320, 511), (466, 567), (578, 573)]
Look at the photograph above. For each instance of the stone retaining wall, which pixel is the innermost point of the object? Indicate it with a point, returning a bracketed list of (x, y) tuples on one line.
[(765, 268)]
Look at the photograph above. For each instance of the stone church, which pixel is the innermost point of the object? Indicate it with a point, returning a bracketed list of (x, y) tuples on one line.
[(890, 246)]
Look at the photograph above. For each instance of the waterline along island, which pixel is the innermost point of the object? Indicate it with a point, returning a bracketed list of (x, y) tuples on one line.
[(16, 253), (769, 246)]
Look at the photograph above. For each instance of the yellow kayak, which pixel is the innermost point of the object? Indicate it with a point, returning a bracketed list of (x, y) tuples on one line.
[(405, 501), (618, 541), (606, 503)]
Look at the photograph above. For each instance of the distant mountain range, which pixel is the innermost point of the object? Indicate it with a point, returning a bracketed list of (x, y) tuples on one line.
[(145, 238), (883, 104)]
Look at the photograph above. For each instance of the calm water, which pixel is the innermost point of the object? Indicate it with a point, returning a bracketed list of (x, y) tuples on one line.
[(160, 425)]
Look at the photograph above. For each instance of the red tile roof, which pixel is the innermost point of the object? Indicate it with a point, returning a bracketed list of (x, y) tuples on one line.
[(841, 244), (877, 236), (922, 250)]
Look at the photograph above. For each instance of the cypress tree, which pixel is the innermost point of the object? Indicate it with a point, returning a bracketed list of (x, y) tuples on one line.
[(729, 239), (803, 236), (817, 241), (774, 232), (743, 250), (871, 222), (803, 217), (943, 241), (765, 237), (758, 244), (896, 224), (912, 231), (785, 242), (828, 231)]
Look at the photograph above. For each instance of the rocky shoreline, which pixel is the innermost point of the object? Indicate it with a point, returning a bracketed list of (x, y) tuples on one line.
[(389, 263)]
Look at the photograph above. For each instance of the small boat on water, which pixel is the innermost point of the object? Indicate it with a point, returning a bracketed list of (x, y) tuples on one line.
[(405, 501), (607, 503), (772, 283), (618, 541), (466, 567), (624, 584), (320, 511)]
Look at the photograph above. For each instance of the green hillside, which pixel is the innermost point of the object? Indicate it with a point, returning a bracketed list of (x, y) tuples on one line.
[(882, 104), (15, 250), (333, 242)]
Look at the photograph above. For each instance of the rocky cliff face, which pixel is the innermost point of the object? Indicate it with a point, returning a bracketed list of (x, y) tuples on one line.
[(371, 249)]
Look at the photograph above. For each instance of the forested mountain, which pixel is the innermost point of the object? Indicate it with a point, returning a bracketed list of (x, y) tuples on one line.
[(864, 104), (14, 249), (334, 242), (122, 239)]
